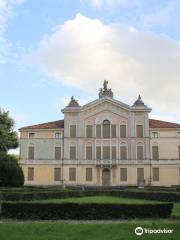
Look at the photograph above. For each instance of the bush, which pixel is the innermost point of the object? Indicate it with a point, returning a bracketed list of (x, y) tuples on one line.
[(11, 173), (86, 211)]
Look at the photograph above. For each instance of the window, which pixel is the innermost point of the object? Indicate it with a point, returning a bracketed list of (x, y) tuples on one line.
[(88, 174), (139, 131), (72, 152), (123, 174), (106, 129), (140, 153), (123, 152), (155, 174), (98, 152), (113, 131), (98, 131), (57, 174), (140, 174), (31, 152), (73, 131), (122, 131), (106, 152), (88, 152), (72, 174), (30, 174), (32, 135), (154, 134), (57, 135), (113, 152), (57, 153), (89, 131), (155, 153), (179, 152), (178, 134)]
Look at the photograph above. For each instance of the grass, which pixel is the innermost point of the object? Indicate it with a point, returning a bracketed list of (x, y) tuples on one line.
[(97, 199), (64, 231)]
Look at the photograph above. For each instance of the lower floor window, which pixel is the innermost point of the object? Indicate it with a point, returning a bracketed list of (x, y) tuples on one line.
[(57, 174), (88, 174), (123, 174), (30, 174), (155, 174), (72, 174)]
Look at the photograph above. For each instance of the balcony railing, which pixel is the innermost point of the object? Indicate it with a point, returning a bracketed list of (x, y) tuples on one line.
[(102, 162)]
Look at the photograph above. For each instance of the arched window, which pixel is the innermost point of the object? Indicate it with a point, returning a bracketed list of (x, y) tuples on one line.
[(106, 129)]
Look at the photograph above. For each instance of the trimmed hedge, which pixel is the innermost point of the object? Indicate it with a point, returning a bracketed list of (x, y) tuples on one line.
[(141, 194), (85, 211)]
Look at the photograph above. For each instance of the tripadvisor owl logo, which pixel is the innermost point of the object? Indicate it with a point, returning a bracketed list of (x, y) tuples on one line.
[(138, 231)]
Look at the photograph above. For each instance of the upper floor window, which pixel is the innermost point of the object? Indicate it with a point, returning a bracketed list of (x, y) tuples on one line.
[(57, 135), (113, 131), (72, 131), (88, 152), (72, 152), (178, 134), (98, 131), (155, 153), (139, 131), (32, 135), (154, 134), (57, 154), (140, 152), (106, 129), (31, 152), (123, 131), (89, 131)]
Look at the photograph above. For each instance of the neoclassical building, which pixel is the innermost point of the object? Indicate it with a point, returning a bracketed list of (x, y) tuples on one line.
[(105, 142)]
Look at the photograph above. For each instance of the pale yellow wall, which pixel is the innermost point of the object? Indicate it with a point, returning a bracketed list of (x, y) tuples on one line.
[(44, 175)]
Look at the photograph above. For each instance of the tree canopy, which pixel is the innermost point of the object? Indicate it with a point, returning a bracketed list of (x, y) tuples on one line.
[(8, 137)]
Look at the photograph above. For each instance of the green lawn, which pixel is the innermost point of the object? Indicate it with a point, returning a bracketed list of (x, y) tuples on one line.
[(98, 199), (65, 231)]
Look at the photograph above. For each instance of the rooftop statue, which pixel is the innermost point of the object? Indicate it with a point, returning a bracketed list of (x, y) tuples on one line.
[(105, 92)]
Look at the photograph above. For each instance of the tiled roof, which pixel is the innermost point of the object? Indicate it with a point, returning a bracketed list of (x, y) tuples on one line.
[(60, 124), (162, 124), (48, 125)]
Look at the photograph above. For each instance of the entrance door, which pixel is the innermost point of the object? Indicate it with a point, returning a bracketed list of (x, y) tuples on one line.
[(106, 177)]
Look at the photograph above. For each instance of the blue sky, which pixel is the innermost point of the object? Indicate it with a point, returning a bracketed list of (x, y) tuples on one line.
[(53, 49)]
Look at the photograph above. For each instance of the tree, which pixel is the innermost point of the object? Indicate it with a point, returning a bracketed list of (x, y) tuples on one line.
[(8, 137), (11, 174)]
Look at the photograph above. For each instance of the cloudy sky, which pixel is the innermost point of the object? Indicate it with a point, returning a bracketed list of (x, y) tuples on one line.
[(53, 49)]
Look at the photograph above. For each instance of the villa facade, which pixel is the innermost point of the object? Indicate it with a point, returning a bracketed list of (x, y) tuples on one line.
[(102, 143)]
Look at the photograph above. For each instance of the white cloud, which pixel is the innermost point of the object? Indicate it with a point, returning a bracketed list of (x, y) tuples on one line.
[(99, 3), (83, 52), (7, 12)]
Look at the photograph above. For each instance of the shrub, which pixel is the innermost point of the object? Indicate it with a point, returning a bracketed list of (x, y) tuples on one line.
[(11, 173), (86, 211)]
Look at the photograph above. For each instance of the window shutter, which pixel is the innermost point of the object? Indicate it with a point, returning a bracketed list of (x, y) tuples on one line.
[(113, 131), (98, 152), (30, 174), (57, 174), (98, 131), (139, 152), (123, 174), (88, 153), (123, 153), (73, 131), (73, 153), (113, 152), (123, 131), (57, 153), (31, 153), (88, 174), (72, 174), (140, 174), (155, 153), (89, 131), (106, 152), (139, 131), (155, 174)]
